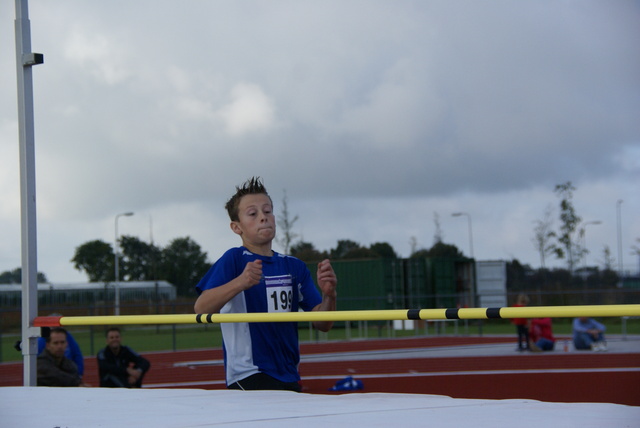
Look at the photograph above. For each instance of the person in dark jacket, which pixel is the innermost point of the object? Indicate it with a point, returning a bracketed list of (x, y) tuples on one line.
[(72, 352), (120, 366), (54, 369)]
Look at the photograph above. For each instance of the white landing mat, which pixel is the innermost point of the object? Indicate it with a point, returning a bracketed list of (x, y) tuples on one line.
[(41, 407)]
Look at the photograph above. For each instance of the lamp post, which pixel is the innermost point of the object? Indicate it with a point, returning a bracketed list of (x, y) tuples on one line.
[(470, 232), (584, 238), (619, 222), (117, 273)]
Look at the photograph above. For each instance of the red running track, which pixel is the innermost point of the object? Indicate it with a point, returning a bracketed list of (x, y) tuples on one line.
[(555, 377)]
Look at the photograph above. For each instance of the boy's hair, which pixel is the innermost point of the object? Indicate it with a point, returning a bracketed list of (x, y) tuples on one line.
[(252, 186)]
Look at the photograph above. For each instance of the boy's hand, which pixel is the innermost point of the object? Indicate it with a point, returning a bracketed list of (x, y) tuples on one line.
[(327, 280), (252, 273)]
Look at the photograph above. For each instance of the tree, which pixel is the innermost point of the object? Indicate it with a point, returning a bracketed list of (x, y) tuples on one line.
[(543, 235), (306, 252), (15, 277), (571, 247), (285, 226), (609, 276), (636, 249), (422, 253), (384, 250), (139, 259), (96, 259), (360, 253), (438, 236), (607, 258), (183, 264), (440, 249), (344, 247), (413, 244)]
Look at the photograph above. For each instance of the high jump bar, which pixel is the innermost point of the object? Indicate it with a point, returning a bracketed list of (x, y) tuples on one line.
[(370, 315)]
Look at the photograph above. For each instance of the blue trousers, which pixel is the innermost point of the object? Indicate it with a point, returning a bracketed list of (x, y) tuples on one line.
[(584, 340)]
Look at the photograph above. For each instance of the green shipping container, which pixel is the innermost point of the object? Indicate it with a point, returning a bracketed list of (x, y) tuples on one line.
[(368, 284), (452, 281)]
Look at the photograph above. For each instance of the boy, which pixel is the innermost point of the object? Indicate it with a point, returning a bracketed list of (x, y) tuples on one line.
[(254, 278)]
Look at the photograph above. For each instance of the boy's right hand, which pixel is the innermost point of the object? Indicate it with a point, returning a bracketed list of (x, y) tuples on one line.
[(252, 273)]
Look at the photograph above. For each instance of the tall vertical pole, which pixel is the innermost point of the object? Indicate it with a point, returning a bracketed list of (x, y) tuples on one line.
[(117, 270), (619, 223), (470, 230), (470, 236), (25, 59), (116, 262)]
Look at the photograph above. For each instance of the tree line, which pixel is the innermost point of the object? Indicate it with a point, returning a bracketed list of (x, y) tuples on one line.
[(182, 262)]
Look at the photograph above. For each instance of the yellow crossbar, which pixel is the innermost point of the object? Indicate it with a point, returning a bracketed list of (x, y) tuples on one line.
[(380, 315)]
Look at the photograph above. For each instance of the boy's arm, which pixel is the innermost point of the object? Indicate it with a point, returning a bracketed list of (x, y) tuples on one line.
[(213, 299), (327, 282)]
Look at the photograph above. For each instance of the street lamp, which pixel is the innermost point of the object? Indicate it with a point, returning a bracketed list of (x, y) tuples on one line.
[(619, 221), (584, 237), (117, 275), (470, 233)]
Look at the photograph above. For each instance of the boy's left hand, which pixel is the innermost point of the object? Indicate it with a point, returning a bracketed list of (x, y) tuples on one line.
[(327, 280)]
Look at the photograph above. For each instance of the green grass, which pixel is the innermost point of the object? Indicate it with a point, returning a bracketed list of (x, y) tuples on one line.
[(167, 338)]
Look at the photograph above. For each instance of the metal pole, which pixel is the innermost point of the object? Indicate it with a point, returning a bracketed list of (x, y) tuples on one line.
[(470, 236), (117, 272), (619, 222), (115, 275), (584, 238), (470, 230), (25, 59)]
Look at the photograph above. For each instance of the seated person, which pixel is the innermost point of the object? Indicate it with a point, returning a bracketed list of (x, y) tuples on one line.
[(119, 366), (541, 335), (72, 352), (54, 369), (588, 334)]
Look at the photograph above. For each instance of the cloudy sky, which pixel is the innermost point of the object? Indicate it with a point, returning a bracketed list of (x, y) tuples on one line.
[(375, 117)]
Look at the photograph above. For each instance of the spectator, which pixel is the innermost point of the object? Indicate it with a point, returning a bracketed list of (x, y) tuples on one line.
[(522, 324), (541, 335), (119, 366), (54, 369), (72, 352), (588, 334)]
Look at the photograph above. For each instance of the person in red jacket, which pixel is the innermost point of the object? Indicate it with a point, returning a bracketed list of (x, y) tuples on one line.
[(541, 335)]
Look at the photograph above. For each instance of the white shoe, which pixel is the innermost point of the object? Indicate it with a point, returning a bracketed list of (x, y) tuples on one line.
[(598, 347)]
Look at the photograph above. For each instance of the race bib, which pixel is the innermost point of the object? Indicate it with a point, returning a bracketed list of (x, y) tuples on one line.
[(279, 293)]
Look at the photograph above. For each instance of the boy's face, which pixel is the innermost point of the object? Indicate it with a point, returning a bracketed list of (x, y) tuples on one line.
[(257, 224)]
